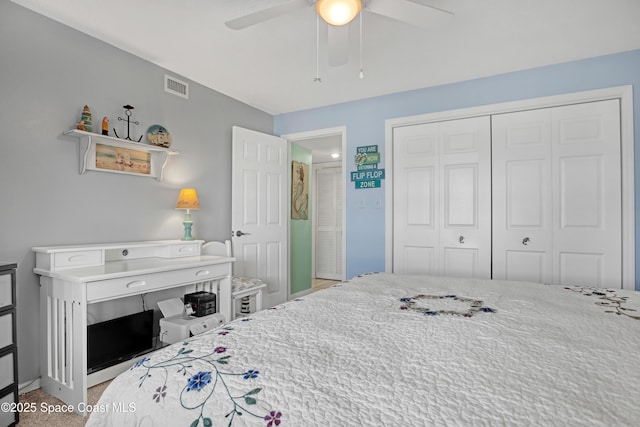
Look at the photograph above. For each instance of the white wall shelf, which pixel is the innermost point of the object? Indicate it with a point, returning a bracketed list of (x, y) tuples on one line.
[(88, 140)]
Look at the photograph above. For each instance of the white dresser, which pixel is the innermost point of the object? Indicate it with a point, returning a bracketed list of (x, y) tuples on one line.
[(74, 276)]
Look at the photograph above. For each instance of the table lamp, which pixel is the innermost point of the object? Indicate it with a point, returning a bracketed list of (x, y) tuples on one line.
[(188, 199)]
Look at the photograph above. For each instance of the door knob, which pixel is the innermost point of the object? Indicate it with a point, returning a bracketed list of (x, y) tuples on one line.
[(525, 241), (239, 233), (461, 239)]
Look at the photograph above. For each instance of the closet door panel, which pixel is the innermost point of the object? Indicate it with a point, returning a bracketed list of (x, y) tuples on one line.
[(460, 202), (522, 221), (581, 269), (557, 195), (581, 192), (417, 260), (442, 191), (461, 236), (526, 265), (465, 195), (525, 193), (587, 208), (460, 262), (416, 183), (419, 190)]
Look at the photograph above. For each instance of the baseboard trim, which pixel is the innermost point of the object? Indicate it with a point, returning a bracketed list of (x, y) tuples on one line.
[(28, 386), (300, 294)]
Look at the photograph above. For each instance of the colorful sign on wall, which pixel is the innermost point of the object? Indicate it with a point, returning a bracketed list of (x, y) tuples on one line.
[(368, 174)]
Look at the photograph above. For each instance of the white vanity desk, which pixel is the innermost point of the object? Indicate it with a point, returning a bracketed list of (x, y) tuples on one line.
[(71, 277)]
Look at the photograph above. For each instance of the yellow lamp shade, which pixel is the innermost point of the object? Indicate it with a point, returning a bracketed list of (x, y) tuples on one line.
[(188, 199), (338, 12)]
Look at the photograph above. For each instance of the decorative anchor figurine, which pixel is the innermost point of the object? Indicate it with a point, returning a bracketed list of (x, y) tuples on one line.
[(128, 113)]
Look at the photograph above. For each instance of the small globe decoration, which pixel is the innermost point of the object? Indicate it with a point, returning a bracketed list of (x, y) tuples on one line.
[(158, 135)]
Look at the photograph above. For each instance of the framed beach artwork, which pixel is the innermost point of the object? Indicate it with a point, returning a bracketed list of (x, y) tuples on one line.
[(299, 190), (122, 159)]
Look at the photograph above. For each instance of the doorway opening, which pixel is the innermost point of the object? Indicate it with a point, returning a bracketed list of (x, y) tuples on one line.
[(327, 147)]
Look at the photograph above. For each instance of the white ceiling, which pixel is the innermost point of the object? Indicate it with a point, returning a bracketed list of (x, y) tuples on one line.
[(323, 147), (272, 65)]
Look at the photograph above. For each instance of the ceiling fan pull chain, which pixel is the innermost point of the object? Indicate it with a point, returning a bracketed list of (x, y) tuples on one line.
[(361, 66), (317, 78)]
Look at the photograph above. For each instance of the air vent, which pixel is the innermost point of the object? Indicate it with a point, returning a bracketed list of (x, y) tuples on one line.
[(176, 87)]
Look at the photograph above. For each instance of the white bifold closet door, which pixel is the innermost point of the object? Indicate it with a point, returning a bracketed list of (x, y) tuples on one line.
[(442, 198), (328, 223), (557, 195)]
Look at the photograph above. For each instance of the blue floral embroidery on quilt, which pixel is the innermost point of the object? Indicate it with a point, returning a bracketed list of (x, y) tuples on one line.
[(251, 374), (139, 363), (206, 381), (198, 381)]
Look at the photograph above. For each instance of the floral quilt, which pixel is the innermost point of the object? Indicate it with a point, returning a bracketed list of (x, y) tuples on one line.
[(384, 349)]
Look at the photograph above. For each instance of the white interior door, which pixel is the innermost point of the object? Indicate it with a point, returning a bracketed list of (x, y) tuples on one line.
[(557, 195), (259, 212), (328, 223), (442, 193)]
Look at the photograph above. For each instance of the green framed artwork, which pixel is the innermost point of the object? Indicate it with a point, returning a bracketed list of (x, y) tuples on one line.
[(299, 190)]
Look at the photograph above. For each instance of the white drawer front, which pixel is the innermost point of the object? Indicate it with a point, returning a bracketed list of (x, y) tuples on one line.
[(6, 370), (186, 249), (6, 330), (5, 290), (77, 259), (133, 285)]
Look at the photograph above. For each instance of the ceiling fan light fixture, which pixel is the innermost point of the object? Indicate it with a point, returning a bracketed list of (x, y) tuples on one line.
[(338, 12)]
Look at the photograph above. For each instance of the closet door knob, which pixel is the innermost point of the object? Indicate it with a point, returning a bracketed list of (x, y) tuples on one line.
[(461, 239), (525, 241)]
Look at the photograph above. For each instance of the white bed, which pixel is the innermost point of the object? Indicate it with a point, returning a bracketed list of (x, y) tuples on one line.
[(403, 351)]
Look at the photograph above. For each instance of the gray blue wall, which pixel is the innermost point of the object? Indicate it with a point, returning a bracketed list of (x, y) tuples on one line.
[(48, 72), (365, 121)]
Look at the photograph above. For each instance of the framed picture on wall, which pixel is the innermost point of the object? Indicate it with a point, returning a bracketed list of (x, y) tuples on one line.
[(299, 190), (122, 159)]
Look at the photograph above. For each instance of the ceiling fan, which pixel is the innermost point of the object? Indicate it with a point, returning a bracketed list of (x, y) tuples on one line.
[(338, 13)]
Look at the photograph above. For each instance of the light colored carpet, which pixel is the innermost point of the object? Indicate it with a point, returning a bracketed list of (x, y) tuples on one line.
[(42, 418)]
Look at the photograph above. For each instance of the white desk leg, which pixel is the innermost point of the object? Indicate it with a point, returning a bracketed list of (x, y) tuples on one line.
[(225, 298), (64, 341), (233, 307), (259, 300), (78, 349)]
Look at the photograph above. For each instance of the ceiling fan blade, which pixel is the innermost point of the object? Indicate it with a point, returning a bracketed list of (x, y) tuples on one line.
[(265, 14), (415, 14), (338, 45)]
